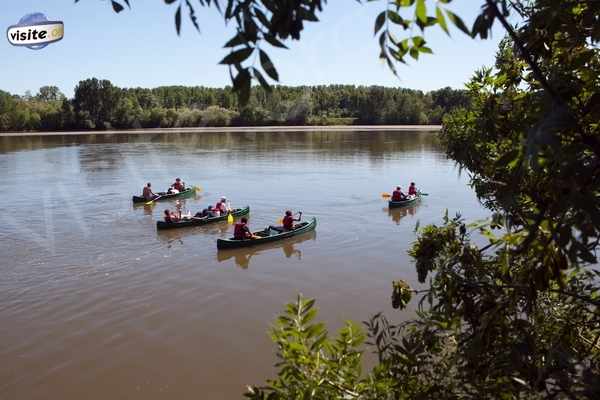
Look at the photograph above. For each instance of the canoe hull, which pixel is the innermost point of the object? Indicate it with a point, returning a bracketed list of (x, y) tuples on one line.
[(163, 196), (236, 244), (161, 225), (403, 203)]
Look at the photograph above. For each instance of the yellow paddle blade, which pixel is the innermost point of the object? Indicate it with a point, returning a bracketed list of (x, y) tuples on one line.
[(149, 203), (384, 195), (280, 221), (197, 188), (230, 219)]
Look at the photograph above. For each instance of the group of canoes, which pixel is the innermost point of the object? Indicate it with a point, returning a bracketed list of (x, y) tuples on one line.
[(242, 235)]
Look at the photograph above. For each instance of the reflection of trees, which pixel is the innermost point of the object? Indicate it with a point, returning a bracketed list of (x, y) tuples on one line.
[(374, 144), (103, 153), (243, 256)]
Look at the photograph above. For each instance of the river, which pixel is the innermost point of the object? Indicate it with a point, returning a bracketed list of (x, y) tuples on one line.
[(96, 304)]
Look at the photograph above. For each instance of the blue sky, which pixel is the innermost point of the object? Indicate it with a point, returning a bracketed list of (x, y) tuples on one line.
[(139, 47)]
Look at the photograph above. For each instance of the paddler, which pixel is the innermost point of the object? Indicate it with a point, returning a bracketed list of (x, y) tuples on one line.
[(397, 195), (223, 206), (412, 189), (241, 231), (170, 216), (288, 222), (147, 192), (177, 187)]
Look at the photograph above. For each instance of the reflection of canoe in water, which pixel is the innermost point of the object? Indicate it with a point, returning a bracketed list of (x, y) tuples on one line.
[(200, 221), (403, 203), (399, 213), (243, 256), (264, 236), (164, 196)]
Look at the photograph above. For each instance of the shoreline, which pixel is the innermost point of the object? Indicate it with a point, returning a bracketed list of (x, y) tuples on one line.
[(240, 129)]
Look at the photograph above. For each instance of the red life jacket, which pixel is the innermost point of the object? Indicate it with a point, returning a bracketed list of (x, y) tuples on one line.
[(239, 231), (168, 218), (178, 186), (397, 195), (288, 222), (412, 190), (221, 207)]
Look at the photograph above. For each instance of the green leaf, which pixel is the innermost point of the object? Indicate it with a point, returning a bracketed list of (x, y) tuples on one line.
[(268, 66), (414, 53), (261, 79), (192, 14), (117, 7), (379, 21), (273, 41), (458, 22), (178, 19), (262, 18), (236, 40), (418, 41), (441, 20), (421, 11), (238, 56), (307, 14), (397, 19)]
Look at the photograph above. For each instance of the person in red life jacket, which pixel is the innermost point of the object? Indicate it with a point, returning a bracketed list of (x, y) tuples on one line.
[(147, 192), (288, 222), (222, 207), (241, 231), (179, 186), (397, 195), (412, 189), (170, 216)]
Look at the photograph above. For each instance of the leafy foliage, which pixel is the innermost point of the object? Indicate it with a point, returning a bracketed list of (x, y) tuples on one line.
[(98, 104), (517, 317)]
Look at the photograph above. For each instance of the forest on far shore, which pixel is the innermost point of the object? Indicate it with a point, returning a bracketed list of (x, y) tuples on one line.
[(99, 105)]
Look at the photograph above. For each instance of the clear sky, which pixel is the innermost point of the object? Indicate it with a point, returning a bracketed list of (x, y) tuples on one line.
[(139, 47)]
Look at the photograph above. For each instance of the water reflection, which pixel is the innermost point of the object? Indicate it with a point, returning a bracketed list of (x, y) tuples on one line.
[(243, 256), (103, 154), (171, 236), (85, 269), (398, 213)]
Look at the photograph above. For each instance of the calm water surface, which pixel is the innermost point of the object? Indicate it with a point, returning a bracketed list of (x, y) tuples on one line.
[(95, 304)]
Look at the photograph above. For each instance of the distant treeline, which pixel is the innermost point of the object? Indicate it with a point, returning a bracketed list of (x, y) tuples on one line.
[(98, 104)]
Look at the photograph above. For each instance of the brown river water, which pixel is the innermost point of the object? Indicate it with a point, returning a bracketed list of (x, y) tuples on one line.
[(96, 304)]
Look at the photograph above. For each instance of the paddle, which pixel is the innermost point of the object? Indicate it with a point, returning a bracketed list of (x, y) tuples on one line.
[(149, 203), (230, 218)]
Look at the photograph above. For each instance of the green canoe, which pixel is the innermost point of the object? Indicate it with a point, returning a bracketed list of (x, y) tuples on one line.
[(200, 221), (265, 237), (403, 203), (163, 196)]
